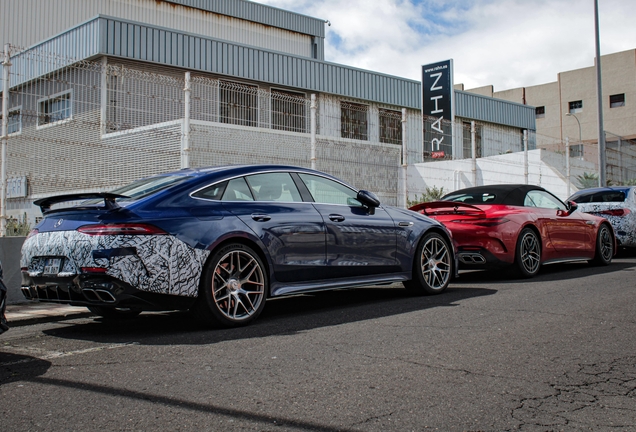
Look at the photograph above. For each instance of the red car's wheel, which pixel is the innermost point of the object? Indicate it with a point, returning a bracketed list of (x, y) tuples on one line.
[(604, 246), (528, 253)]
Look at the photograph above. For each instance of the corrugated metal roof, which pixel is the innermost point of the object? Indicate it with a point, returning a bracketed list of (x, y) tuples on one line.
[(141, 42), (478, 107), (260, 13), (137, 41)]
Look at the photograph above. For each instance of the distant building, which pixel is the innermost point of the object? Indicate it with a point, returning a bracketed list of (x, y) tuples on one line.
[(574, 93)]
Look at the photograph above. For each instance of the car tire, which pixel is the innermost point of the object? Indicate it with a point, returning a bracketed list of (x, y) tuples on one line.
[(432, 266), (233, 288), (113, 313), (528, 253), (604, 250)]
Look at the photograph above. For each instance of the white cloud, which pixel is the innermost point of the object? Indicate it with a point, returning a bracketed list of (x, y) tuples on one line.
[(506, 43)]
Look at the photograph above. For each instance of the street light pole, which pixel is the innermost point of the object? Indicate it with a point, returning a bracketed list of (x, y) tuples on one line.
[(599, 95), (577, 120)]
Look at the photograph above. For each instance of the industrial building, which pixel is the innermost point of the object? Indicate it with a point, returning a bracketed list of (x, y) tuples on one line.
[(106, 91)]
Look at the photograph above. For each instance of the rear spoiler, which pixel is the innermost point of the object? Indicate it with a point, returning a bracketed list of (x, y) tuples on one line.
[(446, 207), (109, 200)]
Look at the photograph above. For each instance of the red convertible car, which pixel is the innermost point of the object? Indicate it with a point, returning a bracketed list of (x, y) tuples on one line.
[(521, 225)]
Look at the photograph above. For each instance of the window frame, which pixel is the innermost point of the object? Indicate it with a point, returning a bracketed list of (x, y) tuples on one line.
[(63, 95), (539, 112), (297, 123), (234, 110), (575, 107), (354, 120), (390, 133), (619, 100)]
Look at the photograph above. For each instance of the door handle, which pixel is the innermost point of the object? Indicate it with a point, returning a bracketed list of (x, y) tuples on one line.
[(336, 217), (261, 217)]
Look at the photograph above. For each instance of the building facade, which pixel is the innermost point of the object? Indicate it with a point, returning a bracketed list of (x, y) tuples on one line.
[(567, 109), (107, 91)]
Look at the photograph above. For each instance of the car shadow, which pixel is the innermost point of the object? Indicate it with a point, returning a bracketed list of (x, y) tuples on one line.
[(281, 316), (547, 273)]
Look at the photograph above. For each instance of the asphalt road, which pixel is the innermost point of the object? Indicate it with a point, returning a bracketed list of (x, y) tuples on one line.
[(490, 354)]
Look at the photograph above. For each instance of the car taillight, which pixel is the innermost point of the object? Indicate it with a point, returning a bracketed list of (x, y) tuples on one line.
[(98, 270), (615, 212), (488, 222), (121, 229)]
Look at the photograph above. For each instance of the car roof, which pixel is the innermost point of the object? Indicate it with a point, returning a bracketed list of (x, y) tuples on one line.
[(505, 194)]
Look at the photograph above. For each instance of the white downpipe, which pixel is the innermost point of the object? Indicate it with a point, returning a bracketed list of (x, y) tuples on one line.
[(405, 192), (185, 145), (473, 152), (312, 109), (567, 164), (6, 65), (525, 155)]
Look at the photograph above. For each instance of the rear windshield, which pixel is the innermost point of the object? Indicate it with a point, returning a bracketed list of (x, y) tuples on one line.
[(600, 196), (142, 188)]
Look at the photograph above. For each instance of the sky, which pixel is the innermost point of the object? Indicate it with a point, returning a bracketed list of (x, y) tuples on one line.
[(504, 43)]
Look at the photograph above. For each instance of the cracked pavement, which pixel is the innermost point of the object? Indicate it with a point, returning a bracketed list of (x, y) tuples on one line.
[(555, 353)]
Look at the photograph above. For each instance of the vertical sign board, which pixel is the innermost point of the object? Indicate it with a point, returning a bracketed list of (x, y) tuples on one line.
[(437, 103)]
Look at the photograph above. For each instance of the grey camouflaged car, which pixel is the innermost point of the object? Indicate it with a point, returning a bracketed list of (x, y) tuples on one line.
[(617, 204)]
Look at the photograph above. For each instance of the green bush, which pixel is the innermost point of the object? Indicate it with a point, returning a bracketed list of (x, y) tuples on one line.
[(431, 194), (18, 227)]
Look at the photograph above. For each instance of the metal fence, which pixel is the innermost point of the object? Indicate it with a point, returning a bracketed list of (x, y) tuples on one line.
[(79, 126)]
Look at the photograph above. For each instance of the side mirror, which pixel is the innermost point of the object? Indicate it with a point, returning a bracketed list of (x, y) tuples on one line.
[(368, 199), (572, 206)]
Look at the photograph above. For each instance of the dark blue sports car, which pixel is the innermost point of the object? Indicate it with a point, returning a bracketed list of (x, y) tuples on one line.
[(219, 241)]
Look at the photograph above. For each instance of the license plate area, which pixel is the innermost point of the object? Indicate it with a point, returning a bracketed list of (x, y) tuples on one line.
[(52, 266)]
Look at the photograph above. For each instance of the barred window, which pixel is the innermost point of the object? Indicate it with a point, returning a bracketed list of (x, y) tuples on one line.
[(238, 104), (289, 111), (390, 126), (354, 121), (54, 109)]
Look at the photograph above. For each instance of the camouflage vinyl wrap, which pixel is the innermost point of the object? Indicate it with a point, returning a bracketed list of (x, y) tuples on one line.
[(155, 263), (624, 226)]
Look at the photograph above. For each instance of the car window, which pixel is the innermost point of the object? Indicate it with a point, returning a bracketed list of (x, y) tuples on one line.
[(142, 188), (274, 187), (327, 191), (214, 192), (542, 199), (602, 196), (237, 190)]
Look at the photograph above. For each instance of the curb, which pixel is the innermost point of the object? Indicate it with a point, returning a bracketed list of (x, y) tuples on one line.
[(27, 314)]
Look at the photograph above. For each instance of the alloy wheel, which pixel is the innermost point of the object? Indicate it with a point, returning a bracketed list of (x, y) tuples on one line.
[(436, 263), (238, 287)]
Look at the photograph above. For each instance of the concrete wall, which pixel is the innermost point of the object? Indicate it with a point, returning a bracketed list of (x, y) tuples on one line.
[(545, 169), (10, 257)]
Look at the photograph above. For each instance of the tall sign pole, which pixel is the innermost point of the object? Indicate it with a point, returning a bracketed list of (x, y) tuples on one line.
[(599, 93), (438, 104)]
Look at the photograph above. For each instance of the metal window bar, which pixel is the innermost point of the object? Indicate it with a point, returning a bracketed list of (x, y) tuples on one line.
[(354, 119), (390, 126)]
